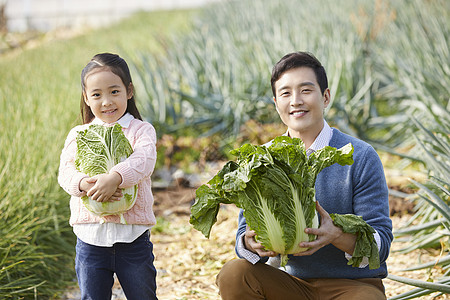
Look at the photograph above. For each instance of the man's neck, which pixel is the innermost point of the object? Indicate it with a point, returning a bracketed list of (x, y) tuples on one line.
[(308, 137)]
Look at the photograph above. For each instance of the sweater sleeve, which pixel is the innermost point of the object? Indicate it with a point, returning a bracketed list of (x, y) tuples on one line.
[(68, 176), (240, 248), (371, 199), (141, 163)]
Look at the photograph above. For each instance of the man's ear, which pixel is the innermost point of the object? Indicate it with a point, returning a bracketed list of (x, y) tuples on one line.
[(130, 91), (275, 101), (326, 97)]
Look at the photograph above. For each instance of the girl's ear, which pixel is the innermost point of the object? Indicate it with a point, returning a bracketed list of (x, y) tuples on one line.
[(85, 99), (130, 91)]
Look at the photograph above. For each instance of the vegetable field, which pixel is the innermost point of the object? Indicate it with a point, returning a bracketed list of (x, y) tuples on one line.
[(203, 79)]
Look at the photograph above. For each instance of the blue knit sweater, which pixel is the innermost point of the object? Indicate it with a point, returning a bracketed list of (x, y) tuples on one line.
[(358, 189)]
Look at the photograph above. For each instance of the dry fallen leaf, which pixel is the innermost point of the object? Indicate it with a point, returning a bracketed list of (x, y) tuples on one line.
[(188, 263)]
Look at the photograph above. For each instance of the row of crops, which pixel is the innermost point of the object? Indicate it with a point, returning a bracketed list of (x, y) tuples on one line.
[(389, 73), (39, 103), (388, 67)]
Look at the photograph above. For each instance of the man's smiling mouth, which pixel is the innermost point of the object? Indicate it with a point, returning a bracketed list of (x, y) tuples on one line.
[(298, 113)]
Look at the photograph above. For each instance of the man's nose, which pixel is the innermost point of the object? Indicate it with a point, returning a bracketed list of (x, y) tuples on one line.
[(297, 98)]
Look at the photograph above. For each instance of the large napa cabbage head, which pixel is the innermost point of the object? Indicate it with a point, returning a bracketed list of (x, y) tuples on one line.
[(99, 149)]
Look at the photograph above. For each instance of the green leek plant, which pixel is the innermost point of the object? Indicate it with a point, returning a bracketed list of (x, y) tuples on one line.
[(382, 68), (429, 227), (39, 103), (415, 81), (216, 77)]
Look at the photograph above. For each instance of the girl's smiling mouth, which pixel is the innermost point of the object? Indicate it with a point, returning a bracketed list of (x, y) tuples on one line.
[(110, 111)]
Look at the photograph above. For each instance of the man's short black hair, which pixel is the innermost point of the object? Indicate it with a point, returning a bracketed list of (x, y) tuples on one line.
[(297, 60)]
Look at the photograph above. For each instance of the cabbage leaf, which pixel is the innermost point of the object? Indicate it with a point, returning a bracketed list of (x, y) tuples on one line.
[(366, 246), (275, 188), (99, 149)]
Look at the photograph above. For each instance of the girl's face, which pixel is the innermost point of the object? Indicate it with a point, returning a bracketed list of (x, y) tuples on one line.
[(106, 95)]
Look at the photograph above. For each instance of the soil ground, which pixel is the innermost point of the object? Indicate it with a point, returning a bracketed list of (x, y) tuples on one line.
[(188, 263)]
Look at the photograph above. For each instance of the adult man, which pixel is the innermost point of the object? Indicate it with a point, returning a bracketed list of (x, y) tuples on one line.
[(300, 89)]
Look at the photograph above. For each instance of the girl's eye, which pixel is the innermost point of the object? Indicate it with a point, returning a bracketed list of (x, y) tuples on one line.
[(96, 95), (115, 92)]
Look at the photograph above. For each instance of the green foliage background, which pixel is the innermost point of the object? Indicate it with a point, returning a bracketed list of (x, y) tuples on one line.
[(202, 78), (39, 102)]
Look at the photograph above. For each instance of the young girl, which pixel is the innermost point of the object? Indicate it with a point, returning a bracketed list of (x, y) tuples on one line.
[(106, 248)]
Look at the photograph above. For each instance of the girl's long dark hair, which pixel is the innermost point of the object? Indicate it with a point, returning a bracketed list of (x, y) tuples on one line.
[(118, 66)]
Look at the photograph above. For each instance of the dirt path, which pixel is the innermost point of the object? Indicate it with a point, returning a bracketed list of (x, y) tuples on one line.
[(187, 262)]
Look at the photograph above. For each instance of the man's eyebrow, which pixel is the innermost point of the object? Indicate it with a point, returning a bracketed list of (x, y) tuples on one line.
[(305, 83)]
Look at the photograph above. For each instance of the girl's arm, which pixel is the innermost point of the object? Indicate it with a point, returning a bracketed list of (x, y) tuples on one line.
[(69, 178), (141, 163), (79, 184)]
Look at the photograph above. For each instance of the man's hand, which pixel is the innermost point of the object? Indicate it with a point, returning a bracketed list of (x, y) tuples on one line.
[(326, 234), (252, 245)]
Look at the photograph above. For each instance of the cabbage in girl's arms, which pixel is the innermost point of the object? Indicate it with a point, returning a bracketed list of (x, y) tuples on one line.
[(99, 148), (275, 187)]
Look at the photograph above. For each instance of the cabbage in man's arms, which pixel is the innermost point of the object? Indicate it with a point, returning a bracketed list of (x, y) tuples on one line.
[(275, 188)]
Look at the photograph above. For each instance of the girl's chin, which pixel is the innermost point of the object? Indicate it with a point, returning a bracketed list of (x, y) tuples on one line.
[(109, 119)]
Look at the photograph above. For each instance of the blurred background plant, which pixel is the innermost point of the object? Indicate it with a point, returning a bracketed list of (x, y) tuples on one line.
[(39, 103), (203, 79), (386, 73)]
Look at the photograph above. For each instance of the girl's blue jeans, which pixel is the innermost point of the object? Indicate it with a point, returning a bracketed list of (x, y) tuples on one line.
[(132, 263)]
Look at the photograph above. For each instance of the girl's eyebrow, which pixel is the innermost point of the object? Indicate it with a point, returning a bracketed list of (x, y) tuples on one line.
[(115, 86)]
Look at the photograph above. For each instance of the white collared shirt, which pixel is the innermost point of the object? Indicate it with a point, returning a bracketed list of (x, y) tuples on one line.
[(106, 234), (124, 121)]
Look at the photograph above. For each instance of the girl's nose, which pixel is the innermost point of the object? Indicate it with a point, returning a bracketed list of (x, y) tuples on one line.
[(106, 101)]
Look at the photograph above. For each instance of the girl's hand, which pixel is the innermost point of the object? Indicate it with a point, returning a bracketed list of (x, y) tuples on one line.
[(252, 245), (326, 234), (86, 184), (105, 187), (116, 196)]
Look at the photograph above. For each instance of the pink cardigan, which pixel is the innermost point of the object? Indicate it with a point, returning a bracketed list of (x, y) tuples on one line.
[(136, 169)]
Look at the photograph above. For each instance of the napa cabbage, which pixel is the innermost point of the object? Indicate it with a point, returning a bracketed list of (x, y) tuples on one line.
[(99, 149), (275, 188)]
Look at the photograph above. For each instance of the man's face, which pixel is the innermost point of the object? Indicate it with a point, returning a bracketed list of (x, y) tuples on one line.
[(300, 102)]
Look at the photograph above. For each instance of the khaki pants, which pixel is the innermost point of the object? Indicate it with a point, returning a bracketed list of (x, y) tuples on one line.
[(240, 280)]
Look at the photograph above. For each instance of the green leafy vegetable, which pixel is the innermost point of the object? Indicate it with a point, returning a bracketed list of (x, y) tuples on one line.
[(99, 148), (365, 241), (274, 186)]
